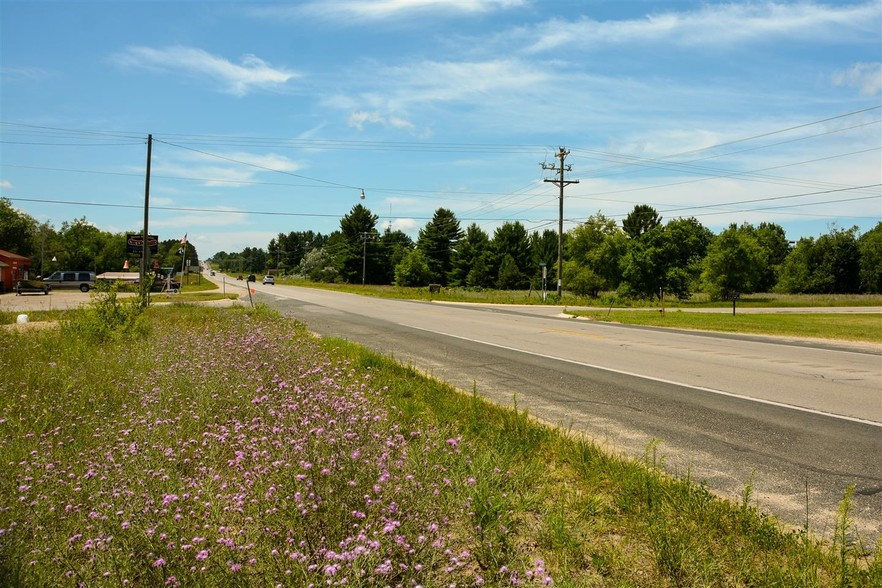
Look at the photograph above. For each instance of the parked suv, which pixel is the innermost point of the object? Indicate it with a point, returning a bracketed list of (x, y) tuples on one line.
[(71, 279), (269, 280)]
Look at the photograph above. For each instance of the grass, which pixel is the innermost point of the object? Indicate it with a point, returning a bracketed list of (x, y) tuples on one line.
[(864, 327), (226, 447), (606, 300)]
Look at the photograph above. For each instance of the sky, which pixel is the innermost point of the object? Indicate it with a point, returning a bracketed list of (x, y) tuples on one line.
[(272, 117)]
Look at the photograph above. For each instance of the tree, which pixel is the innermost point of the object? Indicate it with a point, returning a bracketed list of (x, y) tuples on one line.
[(253, 260), (735, 263), (79, 240), (511, 240), (686, 241), (288, 249), (828, 265), (469, 264), (641, 220), (581, 279), (413, 270), (357, 247), (593, 253), (510, 276), (317, 266), (642, 269), (17, 230), (392, 248), (543, 247), (437, 240), (773, 239), (870, 249)]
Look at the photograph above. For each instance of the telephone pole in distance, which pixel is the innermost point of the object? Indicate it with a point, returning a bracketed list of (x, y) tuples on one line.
[(561, 182)]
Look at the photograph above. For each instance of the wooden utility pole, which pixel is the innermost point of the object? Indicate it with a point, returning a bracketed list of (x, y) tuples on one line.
[(145, 251), (365, 235), (561, 154)]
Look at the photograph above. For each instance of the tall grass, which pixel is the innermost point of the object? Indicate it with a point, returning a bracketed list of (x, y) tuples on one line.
[(229, 448)]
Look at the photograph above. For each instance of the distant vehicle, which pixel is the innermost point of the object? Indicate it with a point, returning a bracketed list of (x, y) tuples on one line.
[(35, 286), (252, 278), (212, 272), (84, 281), (239, 277), (269, 280)]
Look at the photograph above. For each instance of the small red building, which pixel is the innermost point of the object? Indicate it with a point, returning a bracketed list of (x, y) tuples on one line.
[(13, 267)]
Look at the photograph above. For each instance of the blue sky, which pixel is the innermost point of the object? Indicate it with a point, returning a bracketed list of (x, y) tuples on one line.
[(272, 117)]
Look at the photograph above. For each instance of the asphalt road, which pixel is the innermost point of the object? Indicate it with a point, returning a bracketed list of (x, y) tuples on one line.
[(799, 421)]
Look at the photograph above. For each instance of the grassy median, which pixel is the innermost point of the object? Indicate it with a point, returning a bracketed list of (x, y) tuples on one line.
[(866, 327)]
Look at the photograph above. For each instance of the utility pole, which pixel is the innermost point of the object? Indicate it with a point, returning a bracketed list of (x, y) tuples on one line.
[(365, 235), (145, 251), (561, 154)]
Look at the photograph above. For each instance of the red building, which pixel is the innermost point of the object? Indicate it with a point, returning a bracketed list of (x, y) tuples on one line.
[(13, 267)]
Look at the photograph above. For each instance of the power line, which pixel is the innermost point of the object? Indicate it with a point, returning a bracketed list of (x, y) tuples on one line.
[(263, 167)]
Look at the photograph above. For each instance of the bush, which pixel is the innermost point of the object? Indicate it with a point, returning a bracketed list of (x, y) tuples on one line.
[(106, 316)]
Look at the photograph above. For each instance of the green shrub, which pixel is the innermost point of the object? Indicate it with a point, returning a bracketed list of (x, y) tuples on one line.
[(106, 316)]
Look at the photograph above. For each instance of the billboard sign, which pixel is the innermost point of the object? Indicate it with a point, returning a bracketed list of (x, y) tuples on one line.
[(135, 243)]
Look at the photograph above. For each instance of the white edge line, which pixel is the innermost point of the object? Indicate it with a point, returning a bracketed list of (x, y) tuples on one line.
[(654, 379)]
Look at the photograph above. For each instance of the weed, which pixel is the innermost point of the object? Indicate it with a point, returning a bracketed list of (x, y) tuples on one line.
[(105, 317)]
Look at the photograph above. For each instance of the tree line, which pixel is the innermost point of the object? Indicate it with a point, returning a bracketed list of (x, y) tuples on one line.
[(79, 245), (642, 258)]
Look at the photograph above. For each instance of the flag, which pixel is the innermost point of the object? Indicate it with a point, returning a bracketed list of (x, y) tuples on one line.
[(184, 240)]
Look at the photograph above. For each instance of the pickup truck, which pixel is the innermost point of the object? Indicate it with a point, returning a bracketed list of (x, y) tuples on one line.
[(31, 286)]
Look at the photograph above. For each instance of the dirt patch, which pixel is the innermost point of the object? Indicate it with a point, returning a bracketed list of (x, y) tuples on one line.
[(31, 326)]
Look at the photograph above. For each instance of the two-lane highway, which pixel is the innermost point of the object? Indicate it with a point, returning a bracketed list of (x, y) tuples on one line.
[(780, 415)]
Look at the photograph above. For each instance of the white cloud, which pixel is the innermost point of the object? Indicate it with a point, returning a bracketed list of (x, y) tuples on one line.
[(375, 10), (6, 185), (866, 77), (421, 85), (406, 225), (445, 81), (228, 169), (359, 119), (238, 79), (715, 25), (216, 216), (231, 241)]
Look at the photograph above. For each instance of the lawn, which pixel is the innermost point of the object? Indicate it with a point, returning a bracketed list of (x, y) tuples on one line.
[(866, 327), (191, 446)]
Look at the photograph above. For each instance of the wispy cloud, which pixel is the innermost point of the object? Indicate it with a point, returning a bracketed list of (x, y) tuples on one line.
[(433, 80), (229, 169), (239, 79), (359, 119), (6, 185), (377, 10), (397, 90), (714, 25), (866, 77), (22, 73)]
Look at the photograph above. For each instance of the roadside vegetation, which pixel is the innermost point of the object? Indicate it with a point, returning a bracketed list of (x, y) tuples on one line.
[(191, 446)]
